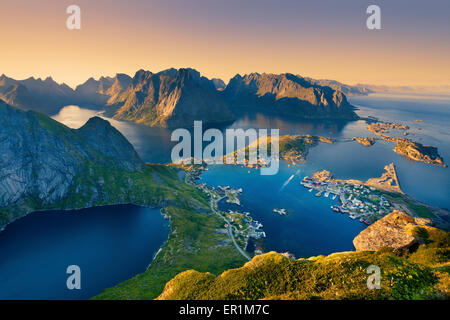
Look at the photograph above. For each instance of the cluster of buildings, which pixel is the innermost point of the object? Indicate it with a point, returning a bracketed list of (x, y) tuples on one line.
[(358, 201), (243, 225)]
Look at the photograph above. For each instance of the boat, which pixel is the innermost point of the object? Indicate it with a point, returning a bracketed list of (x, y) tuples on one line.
[(318, 194), (310, 190), (334, 197), (336, 208), (327, 194)]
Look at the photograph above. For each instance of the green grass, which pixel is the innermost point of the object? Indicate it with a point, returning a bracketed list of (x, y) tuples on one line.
[(338, 276), (193, 244), (422, 211)]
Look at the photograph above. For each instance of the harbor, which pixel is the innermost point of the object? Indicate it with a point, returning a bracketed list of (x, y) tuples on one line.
[(359, 201)]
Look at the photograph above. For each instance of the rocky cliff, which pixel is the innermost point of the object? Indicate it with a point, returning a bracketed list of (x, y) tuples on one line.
[(414, 274), (104, 91), (287, 94), (43, 161), (172, 98), (348, 90), (45, 96), (395, 230)]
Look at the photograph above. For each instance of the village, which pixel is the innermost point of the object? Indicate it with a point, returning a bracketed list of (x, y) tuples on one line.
[(240, 225), (359, 201)]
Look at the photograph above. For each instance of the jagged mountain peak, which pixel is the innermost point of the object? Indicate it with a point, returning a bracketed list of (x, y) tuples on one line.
[(287, 94)]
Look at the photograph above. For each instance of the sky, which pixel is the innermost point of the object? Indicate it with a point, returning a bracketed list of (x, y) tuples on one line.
[(320, 39)]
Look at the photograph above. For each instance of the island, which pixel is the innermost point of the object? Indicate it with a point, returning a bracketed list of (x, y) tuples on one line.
[(379, 127), (292, 148), (364, 141), (407, 148), (416, 151)]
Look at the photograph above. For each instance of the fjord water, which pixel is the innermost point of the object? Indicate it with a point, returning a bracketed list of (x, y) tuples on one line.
[(110, 244)]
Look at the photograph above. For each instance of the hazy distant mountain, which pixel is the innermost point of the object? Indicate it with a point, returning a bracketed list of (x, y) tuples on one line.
[(178, 97), (218, 83), (348, 90), (171, 98), (45, 96), (287, 94), (104, 91), (444, 89)]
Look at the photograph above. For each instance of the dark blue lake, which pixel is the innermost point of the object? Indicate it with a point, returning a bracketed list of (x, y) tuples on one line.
[(109, 244)]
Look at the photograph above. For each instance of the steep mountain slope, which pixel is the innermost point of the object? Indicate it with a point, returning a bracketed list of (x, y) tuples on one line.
[(104, 91), (172, 98), (45, 164), (348, 90), (45, 96), (218, 83), (287, 94)]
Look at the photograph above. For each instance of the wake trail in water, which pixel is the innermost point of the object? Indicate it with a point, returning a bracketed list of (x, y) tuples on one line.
[(289, 180)]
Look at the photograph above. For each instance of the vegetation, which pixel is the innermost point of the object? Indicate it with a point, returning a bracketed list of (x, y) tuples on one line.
[(337, 276)]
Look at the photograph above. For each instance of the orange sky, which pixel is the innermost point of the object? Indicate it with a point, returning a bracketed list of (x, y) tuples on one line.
[(220, 40)]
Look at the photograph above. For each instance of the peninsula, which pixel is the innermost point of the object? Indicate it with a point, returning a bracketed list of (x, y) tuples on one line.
[(370, 200)]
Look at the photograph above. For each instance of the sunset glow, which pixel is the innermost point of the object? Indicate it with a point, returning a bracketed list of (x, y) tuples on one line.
[(222, 38)]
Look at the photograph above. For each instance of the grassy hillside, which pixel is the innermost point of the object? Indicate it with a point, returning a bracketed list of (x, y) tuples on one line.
[(423, 274)]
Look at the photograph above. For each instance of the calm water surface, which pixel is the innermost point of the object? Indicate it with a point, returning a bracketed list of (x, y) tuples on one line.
[(111, 244)]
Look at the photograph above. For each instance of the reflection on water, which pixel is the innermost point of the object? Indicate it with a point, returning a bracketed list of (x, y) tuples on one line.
[(74, 116), (154, 145), (345, 159)]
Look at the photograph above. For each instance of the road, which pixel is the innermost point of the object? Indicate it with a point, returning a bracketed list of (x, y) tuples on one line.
[(230, 230)]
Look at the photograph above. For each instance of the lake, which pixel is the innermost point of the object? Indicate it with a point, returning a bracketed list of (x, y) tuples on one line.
[(110, 244)]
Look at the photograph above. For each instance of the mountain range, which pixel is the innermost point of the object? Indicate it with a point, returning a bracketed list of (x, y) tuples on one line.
[(287, 94), (177, 97)]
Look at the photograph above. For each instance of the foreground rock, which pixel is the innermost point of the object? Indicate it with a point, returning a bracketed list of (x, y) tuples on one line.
[(343, 275), (395, 230)]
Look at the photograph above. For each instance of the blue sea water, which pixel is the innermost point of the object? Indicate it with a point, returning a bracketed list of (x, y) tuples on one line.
[(111, 244)]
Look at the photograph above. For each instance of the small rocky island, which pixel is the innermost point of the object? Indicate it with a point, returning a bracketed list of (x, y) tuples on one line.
[(416, 151), (364, 141), (407, 148)]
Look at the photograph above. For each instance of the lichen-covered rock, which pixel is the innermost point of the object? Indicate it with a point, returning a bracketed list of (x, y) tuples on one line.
[(395, 230)]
